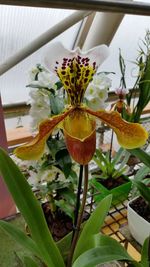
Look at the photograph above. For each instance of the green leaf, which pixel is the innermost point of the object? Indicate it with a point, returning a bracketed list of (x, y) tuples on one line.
[(118, 156), (125, 160), (144, 191), (66, 207), (20, 237), (141, 173), (63, 159), (100, 156), (64, 245), (31, 210), (142, 155), (92, 226), (106, 249), (28, 262), (57, 104), (100, 164), (144, 87), (100, 160), (55, 145), (59, 85), (145, 253)]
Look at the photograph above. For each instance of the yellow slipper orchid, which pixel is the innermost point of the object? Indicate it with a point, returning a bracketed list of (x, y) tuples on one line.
[(75, 70)]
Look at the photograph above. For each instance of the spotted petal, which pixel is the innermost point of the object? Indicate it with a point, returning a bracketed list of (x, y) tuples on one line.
[(129, 135), (34, 149)]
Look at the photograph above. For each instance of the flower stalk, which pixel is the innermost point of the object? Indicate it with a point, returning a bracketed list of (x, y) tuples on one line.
[(78, 198), (80, 217)]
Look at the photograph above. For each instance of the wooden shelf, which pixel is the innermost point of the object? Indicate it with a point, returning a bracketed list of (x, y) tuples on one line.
[(18, 136)]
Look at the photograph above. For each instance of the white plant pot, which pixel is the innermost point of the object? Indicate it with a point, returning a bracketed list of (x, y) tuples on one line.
[(138, 226)]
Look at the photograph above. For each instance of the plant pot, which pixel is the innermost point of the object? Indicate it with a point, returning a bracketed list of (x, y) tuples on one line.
[(138, 226), (119, 193)]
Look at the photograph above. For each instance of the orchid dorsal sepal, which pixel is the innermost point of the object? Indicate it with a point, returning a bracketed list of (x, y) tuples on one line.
[(57, 52)]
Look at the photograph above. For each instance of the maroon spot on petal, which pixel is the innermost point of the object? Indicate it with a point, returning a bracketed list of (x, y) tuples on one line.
[(72, 80), (63, 72), (67, 83)]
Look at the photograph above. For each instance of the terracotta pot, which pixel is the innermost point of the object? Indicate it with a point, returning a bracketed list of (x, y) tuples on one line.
[(138, 226)]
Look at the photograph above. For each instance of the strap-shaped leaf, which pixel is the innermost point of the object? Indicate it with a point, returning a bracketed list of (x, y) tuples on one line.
[(20, 237), (118, 156), (31, 211), (142, 155), (141, 173), (145, 253), (28, 262), (105, 249), (92, 226), (144, 91), (144, 191)]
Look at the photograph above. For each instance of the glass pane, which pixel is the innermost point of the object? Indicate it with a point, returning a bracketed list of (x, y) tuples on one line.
[(19, 26), (128, 38)]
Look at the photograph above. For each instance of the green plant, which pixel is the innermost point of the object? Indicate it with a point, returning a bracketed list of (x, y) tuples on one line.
[(111, 168), (142, 83), (42, 245), (91, 248), (110, 176)]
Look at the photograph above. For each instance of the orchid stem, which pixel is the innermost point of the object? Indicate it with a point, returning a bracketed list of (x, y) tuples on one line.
[(111, 144), (80, 217), (78, 198)]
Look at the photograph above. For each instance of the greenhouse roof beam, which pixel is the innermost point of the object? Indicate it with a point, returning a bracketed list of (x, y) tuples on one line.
[(117, 6)]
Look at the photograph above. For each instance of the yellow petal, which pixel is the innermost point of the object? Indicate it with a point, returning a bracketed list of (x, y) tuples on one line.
[(80, 135), (34, 149), (129, 135)]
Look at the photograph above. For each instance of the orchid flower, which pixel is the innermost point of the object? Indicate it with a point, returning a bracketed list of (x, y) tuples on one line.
[(120, 104), (75, 70)]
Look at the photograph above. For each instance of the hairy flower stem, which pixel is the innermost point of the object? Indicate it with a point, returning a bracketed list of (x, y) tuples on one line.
[(80, 217), (76, 213), (111, 144)]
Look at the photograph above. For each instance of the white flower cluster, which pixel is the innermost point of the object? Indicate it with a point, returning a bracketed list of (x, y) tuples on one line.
[(40, 177), (97, 91), (36, 175), (41, 80)]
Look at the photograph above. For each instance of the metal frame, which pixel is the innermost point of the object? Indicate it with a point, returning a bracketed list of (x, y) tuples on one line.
[(117, 6), (43, 39)]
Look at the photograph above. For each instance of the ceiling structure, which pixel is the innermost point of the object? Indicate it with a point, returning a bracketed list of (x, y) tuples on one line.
[(20, 25)]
